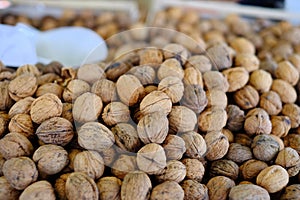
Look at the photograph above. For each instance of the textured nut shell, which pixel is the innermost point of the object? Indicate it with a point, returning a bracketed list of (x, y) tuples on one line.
[(67, 112), (173, 87), (22, 86), (53, 88), (261, 80), (7, 191), (264, 147), (271, 102), (293, 112), (178, 51), (109, 188), (236, 118), (237, 78), (285, 90), (219, 187), (194, 169), (216, 98), (200, 62), (193, 190), (115, 70), (215, 80), (81, 186), (174, 147), (74, 89), (194, 97), (60, 186), (291, 192), (21, 107), (170, 67), (280, 125), (251, 168), (45, 107), (144, 73), (192, 76), (175, 171), (167, 190), (182, 119), (248, 192), (21, 123), (124, 165), (38, 190), (257, 122), (239, 153), (247, 97), (288, 157), (220, 55), (224, 167), (212, 119), (31, 69), (90, 73), (20, 172), (249, 61), (217, 145), (151, 56), (242, 45), (156, 101), (105, 89), (195, 144), (286, 71), (114, 113), (6, 101)]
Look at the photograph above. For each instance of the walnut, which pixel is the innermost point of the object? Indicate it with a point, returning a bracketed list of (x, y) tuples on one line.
[(243, 139), (264, 147), (251, 168), (15, 145), (237, 78), (124, 165), (156, 101), (7, 191), (247, 97), (74, 89), (286, 71), (215, 80), (238, 153), (248, 191), (87, 107), (212, 119), (271, 102), (38, 190), (216, 98), (145, 73), (200, 62), (136, 185), (194, 143), (6, 101), (116, 69), (31, 69), (236, 118), (174, 147), (173, 87), (261, 80), (21, 107), (45, 107), (193, 190), (295, 60), (153, 128), (105, 89), (249, 61), (150, 56), (22, 86), (285, 90), (182, 119), (21, 123), (242, 45), (81, 186), (291, 192), (288, 157), (219, 187), (224, 167), (167, 190), (151, 158), (109, 188), (67, 112), (174, 171), (194, 169), (114, 113), (95, 136), (257, 122), (293, 112), (48, 78), (280, 125), (126, 137), (217, 145), (220, 55), (90, 73), (109, 155), (195, 98), (20, 172), (273, 178), (192, 76), (55, 130), (177, 51), (293, 141), (53, 88), (170, 67)]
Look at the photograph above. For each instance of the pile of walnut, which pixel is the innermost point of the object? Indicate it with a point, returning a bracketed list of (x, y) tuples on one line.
[(159, 123)]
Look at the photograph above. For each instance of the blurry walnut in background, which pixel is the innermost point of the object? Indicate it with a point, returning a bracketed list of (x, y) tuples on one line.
[(90, 73), (286, 71), (170, 67), (261, 80), (221, 55), (285, 90), (199, 62), (249, 61), (177, 51)]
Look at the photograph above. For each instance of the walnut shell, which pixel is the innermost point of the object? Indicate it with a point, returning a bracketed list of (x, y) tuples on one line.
[(217, 145), (291, 192), (194, 97), (251, 168), (248, 192), (115, 112), (193, 190), (249, 61), (224, 167), (257, 122), (151, 56), (288, 157), (156, 101), (7, 191), (31, 69), (271, 102), (60, 186), (192, 76), (212, 119), (261, 80), (215, 80), (177, 51), (237, 78), (194, 169), (38, 190), (242, 45), (286, 71), (293, 112), (264, 147), (115, 70), (90, 73), (173, 87), (124, 165), (74, 89), (21, 123), (6, 101), (280, 125), (105, 89), (219, 187), (220, 55), (247, 97), (53, 88), (236, 118), (167, 190), (216, 98), (174, 171), (182, 119), (145, 73), (195, 144), (22, 86), (109, 188), (21, 107), (285, 90), (239, 153), (174, 147), (199, 62)]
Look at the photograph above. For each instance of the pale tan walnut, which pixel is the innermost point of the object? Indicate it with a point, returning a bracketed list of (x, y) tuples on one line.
[(153, 128), (90, 73), (192, 76), (193, 190), (291, 192), (4, 120), (126, 137), (136, 185), (38, 190), (48, 78), (105, 89), (251, 168), (264, 147), (217, 145), (219, 187), (293, 112), (87, 107), (177, 51), (170, 67), (273, 178), (60, 186), (45, 107), (109, 188), (173, 87), (242, 45), (286, 71), (81, 186), (109, 155), (257, 122), (194, 169), (228, 133), (200, 62), (31, 69), (21, 107), (280, 125), (89, 162), (50, 159), (21, 123), (182, 119), (216, 98), (288, 157), (243, 139), (295, 60), (212, 119), (74, 89), (167, 190), (220, 54), (151, 56), (151, 159), (20, 172), (56, 130), (224, 167), (249, 61), (130, 89), (6, 101), (261, 80), (95, 136), (271, 102), (247, 97), (236, 118), (285, 90), (7, 75), (174, 147), (215, 80), (123, 165), (114, 113), (292, 140), (53, 88), (237, 78), (15, 145), (239, 153), (195, 98), (154, 102), (67, 112), (115, 70), (195, 144), (22, 86), (175, 171), (195, 44), (279, 140), (7, 191), (145, 73), (248, 192)]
